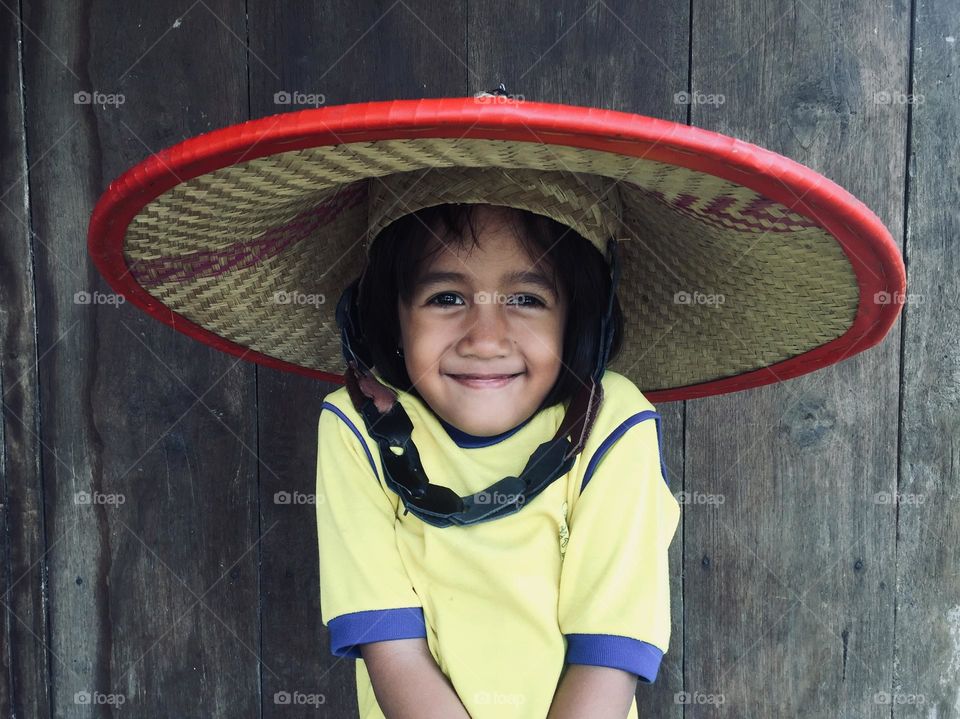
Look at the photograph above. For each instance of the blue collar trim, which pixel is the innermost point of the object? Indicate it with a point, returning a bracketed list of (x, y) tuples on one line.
[(473, 441)]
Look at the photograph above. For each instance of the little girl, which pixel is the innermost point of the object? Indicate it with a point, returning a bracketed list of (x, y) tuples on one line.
[(484, 321)]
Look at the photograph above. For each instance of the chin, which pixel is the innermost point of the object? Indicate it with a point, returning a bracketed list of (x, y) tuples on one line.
[(487, 431)]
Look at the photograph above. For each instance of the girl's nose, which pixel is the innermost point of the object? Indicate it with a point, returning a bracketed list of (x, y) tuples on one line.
[(486, 331)]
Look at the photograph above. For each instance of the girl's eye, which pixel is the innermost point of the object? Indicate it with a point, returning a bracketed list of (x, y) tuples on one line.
[(433, 301), (535, 301)]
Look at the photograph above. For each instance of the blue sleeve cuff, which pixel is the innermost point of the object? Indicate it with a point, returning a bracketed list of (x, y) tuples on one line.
[(610, 650), (374, 625)]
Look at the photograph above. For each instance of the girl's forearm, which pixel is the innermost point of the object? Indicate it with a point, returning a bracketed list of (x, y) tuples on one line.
[(408, 683), (595, 692)]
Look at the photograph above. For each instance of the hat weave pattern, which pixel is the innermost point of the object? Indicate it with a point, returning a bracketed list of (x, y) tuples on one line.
[(258, 251)]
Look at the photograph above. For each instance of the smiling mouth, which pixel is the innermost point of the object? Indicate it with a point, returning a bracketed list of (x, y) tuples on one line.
[(490, 381), (485, 376)]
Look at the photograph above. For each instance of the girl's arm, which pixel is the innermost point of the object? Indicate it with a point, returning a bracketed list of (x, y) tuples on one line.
[(595, 692), (408, 683)]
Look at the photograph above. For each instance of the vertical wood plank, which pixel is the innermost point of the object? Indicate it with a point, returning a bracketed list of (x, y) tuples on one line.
[(926, 679), (24, 631), (791, 590), (344, 52), (148, 478), (618, 56)]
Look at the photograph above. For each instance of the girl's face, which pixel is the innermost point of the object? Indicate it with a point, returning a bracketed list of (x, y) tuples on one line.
[(486, 312)]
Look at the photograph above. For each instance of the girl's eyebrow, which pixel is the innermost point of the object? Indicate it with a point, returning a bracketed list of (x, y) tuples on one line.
[(517, 276)]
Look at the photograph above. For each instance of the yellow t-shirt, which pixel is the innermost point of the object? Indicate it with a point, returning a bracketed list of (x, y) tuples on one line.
[(579, 575)]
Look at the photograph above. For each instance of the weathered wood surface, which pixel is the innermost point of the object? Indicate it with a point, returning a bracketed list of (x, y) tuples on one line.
[(791, 587), (321, 49), (926, 651), (152, 590), (197, 596), (24, 684)]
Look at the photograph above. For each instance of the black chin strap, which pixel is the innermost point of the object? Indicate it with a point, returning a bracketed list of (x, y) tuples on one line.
[(389, 426)]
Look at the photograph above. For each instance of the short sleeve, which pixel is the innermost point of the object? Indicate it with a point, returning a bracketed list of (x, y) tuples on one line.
[(365, 592), (614, 606)]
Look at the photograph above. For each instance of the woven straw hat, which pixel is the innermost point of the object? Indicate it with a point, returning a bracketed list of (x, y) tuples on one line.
[(739, 267)]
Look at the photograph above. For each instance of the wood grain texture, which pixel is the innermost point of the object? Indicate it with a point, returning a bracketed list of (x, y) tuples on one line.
[(25, 629), (791, 580), (338, 52), (152, 574), (926, 676), (147, 556)]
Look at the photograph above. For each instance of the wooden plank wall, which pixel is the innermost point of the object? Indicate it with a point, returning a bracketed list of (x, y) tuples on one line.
[(192, 592), (797, 569)]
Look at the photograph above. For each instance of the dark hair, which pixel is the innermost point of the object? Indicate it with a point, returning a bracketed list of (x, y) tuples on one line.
[(401, 251)]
